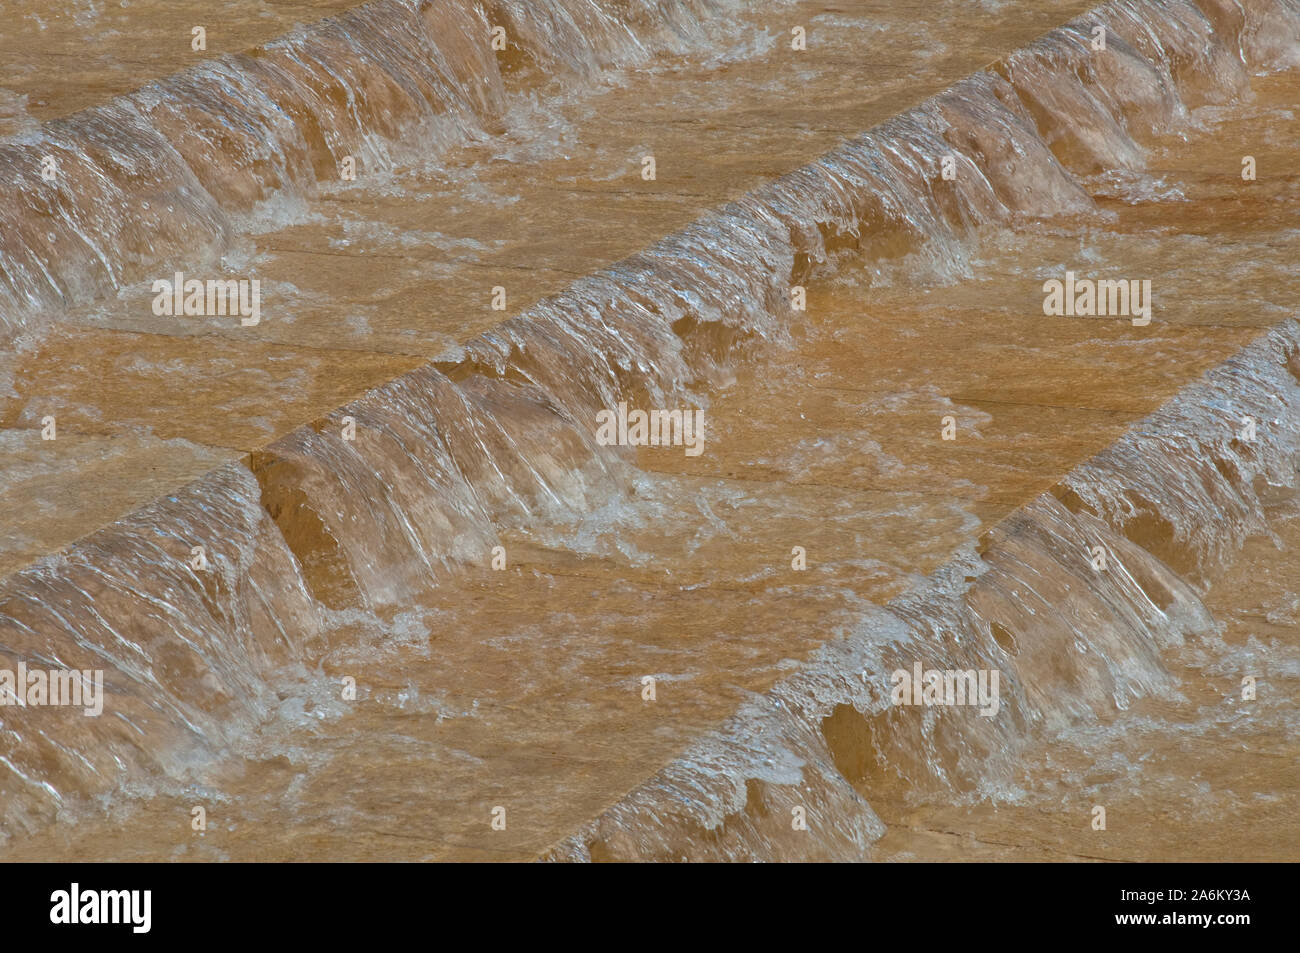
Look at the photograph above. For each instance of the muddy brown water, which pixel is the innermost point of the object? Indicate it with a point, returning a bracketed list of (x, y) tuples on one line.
[(827, 535)]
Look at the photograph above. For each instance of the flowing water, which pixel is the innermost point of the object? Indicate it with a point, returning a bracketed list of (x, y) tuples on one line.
[(359, 464)]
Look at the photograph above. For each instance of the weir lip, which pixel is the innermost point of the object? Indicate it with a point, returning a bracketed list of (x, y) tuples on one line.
[(101, 401), (828, 720), (472, 460)]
